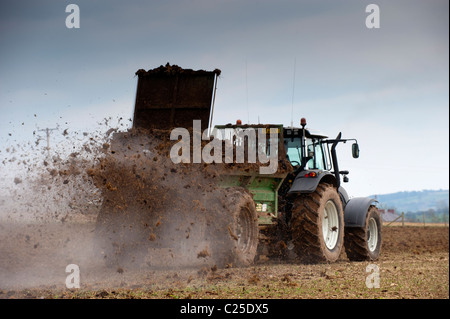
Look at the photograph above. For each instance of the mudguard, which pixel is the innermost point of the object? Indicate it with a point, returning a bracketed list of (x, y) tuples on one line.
[(344, 196), (356, 210), (304, 184)]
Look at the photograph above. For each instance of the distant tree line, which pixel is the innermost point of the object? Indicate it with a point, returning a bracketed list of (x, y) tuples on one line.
[(415, 201), (438, 215)]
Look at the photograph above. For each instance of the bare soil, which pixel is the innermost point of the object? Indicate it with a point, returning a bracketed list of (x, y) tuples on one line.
[(414, 263)]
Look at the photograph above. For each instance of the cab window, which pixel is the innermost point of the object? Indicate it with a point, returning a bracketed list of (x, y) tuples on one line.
[(315, 150)]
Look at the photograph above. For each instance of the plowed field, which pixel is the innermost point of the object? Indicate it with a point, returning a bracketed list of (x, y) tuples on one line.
[(33, 257)]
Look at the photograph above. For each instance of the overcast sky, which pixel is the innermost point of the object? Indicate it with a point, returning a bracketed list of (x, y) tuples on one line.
[(387, 86)]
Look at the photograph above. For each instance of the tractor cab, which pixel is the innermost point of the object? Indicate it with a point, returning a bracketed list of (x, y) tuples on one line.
[(305, 149), (313, 157)]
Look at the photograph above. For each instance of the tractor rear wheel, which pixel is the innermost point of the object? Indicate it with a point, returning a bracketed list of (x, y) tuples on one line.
[(364, 243), (235, 242), (317, 225)]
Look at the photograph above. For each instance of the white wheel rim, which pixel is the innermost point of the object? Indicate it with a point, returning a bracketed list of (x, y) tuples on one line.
[(372, 242), (330, 225)]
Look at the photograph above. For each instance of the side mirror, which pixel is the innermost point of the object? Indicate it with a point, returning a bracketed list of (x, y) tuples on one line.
[(355, 150)]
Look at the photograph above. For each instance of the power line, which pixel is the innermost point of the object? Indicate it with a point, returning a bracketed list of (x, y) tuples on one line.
[(47, 132)]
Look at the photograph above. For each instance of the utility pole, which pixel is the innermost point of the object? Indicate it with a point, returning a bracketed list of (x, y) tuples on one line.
[(47, 132)]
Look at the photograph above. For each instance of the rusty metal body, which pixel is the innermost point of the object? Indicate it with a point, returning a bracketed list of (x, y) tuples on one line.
[(169, 97)]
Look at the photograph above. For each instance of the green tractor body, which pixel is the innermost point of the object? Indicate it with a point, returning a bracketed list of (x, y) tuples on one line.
[(308, 193)]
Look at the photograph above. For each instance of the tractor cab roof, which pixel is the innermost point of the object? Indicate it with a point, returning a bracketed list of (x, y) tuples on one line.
[(298, 132), (288, 132)]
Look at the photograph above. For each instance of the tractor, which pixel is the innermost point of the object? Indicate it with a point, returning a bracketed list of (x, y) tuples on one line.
[(300, 208), (307, 206)]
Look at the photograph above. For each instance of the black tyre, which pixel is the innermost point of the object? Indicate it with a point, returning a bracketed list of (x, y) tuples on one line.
[(317, 225), (277, 238), (364, 243), (235, 236)]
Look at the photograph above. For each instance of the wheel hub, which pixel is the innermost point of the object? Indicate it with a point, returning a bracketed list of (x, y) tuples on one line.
[(373, 235), (330, 225)]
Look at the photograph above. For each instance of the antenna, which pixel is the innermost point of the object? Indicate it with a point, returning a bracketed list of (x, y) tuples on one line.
[(293, 91), (246, 88)]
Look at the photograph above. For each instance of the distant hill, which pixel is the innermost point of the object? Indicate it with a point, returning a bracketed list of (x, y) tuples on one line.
[(415, 201)]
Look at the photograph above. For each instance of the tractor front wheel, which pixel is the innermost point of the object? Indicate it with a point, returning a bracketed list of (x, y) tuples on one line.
[(317, 225)]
